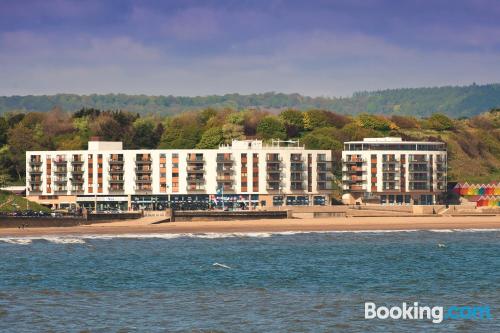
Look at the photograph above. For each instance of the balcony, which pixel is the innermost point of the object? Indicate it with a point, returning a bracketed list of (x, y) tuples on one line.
[(297, 186), (221, 178), (60, 170), (323, 169), (224, 169), (226, 188), (353, 160), (116, 180), (60, 190), (77, 161), (195, 159), (60, 180), (297, 167), (143, 170), (115, 189), (77, 190), (35, 189), (324, 178), (143, 189), (195, 188), (35, 171), (77, 171), (225, 159), (36, 181), (273, 170), (117, 162), (35, 162), (143, 180), (323, 186), (77, 180), (274, 187), (270, 158), (195, 169), (142, 160), (117, 170), (59, 161)]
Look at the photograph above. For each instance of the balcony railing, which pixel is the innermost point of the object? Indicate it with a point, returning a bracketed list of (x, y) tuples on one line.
[(116, 180), (35, 162), (225, 159), (142, 170), (143, 180)]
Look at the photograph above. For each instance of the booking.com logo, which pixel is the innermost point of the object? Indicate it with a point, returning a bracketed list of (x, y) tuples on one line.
[(436, 313)]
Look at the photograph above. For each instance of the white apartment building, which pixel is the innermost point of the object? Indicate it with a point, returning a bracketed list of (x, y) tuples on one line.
[(393, 171), (244, 173)]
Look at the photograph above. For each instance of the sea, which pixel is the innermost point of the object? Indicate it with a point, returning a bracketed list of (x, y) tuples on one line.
[(246, 282)]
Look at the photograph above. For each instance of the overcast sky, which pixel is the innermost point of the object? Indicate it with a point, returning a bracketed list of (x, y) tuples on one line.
[(317, 48)]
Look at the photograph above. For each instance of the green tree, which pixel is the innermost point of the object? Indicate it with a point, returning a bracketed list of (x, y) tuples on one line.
[(211, 138), (4, 127), (145, 136), (232, 131), (322, 138), (21, 139), (315, 119), (375, 122), (439, 122), (270, 127), (293, 121), (181, 132)]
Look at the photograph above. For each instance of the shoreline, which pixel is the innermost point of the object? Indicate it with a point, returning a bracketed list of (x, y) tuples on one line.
[(256, 226)]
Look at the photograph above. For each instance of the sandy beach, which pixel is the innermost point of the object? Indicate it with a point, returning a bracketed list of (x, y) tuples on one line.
[(304, 225)]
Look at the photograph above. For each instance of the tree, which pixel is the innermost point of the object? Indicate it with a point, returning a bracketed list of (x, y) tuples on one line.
[(211, 138), (57, 122), (322, 138), (406, 122), (270, 127), (4, 127), (378, 123), (181, 132), (315, 119), (293, 121), (21, 139), (144, 133), (232, 131), (439, 122)]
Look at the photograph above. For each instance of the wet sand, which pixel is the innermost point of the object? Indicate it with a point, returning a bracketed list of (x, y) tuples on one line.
[(283, 225)]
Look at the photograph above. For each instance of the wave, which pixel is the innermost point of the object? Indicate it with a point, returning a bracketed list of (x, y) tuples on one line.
[(80, 239)]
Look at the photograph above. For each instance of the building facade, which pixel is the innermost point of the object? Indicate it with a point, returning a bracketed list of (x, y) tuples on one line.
[(393, 171), (243, 174)]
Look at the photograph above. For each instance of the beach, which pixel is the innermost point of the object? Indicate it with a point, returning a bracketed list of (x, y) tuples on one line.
[(271, 225)]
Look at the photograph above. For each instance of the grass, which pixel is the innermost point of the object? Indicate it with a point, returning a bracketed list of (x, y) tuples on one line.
[(10, 202)]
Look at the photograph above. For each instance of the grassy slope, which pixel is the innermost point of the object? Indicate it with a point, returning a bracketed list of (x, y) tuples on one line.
[(10, 202)]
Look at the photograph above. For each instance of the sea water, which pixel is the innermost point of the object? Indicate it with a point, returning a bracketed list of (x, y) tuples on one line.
[(254, 282)]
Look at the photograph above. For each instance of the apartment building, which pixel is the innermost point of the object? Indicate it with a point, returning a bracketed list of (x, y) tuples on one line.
[(393, 171), (243, 174)]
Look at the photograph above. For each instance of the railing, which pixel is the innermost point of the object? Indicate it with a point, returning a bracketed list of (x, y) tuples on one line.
[(141, 170), (222, 159), (195, 169)]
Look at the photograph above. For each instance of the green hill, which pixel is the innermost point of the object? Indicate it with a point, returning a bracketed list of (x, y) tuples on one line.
[(10, 202), (453, 101)]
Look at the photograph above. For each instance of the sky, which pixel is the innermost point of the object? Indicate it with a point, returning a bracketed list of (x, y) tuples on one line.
[(191, 48)]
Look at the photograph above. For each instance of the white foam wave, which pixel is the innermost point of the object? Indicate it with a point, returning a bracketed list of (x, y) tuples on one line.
[(80, 239), (19, 241)]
